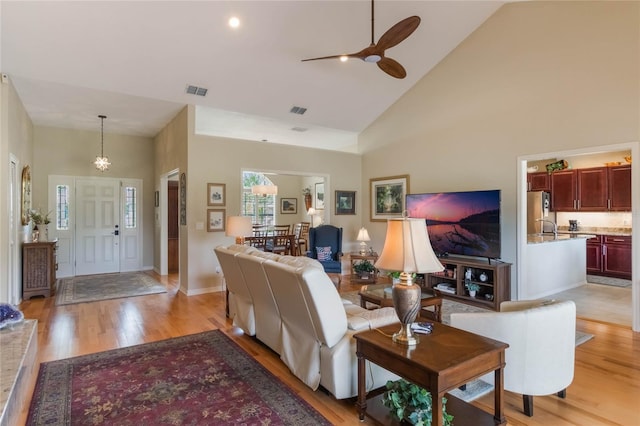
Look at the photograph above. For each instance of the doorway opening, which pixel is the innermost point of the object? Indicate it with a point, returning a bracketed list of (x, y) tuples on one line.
[(525, 161)]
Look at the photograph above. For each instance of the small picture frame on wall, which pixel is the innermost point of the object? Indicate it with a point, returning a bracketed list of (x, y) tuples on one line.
[(388, 197), (319, 196), (215, 220), (345, 202), (288, 206), (216, 195)]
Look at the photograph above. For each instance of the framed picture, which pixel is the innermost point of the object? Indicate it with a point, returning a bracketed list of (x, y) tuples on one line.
[(388, 197), (288, 205), (183, 199), (215, 220), (319, 196), (216, 194), (345, 202)]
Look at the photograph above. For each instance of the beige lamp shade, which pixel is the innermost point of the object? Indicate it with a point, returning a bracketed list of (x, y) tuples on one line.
[(363, 235), (264, 190), (239, 227), (407, 248)]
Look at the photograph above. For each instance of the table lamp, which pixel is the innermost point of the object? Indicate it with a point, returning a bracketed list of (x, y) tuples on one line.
[(407, 249), (363, 237), (239, 227)]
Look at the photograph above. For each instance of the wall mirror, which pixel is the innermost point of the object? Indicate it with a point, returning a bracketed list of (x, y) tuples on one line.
[(26, 195)]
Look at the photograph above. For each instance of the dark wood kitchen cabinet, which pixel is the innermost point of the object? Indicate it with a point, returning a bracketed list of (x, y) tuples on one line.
[(616, 256), (539, 181), (594, 255), (564, 191), (595, 189), (619, 181), (609, 256), (592, 189)]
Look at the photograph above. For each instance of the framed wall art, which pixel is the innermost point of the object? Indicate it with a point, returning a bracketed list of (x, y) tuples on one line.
[(319, 198), (388, 197), (216, 195), (183, 199), (345, 202), (288, 205), (215, 220)]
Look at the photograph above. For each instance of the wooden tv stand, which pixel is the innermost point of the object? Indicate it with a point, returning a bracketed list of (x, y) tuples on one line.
[(494, 289)]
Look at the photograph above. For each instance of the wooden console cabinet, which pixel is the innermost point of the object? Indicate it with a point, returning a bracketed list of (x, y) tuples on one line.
[(38, 269), (493, 277)]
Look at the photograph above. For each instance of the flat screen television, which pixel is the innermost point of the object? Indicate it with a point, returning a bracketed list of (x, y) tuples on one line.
[(463, 223)]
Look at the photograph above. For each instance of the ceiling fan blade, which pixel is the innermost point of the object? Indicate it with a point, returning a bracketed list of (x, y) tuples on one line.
[(359, 55), (323, 57), (392, 67), (398, 32)]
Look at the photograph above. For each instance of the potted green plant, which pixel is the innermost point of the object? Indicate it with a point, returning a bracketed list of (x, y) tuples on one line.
[(395, 276), (411, 403), (364, 269), (473, 288)]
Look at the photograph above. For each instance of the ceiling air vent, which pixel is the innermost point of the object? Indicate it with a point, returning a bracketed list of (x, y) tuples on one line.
[(297, 110), (195, 90), (299, 129)]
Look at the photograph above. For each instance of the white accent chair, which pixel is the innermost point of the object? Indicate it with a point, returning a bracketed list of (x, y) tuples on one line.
[(541, 337)]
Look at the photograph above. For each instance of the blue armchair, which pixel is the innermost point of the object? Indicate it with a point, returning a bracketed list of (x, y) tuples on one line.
[(327, 236)]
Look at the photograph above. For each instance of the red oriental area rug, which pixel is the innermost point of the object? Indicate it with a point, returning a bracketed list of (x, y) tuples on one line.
[(201, 379)]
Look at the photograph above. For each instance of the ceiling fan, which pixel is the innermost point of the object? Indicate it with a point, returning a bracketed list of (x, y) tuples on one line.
[(375, 51)]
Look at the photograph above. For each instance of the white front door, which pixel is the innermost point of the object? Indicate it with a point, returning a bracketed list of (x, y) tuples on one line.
[(97, 226)]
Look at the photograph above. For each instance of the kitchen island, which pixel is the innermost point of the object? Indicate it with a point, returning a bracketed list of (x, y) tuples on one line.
[(554, 263)]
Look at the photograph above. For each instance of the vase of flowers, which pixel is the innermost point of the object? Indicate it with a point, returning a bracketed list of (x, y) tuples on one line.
[(40, 225)]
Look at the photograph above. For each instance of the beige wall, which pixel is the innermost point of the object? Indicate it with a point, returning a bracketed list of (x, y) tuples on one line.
[(536, 77), (16, 139), (221, 160), (170, 153), (72, 152)]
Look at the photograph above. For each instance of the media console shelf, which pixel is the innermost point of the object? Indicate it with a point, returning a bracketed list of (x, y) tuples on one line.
[(493, 278)]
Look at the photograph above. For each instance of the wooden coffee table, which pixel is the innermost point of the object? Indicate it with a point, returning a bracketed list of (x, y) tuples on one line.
[(443, 360), (380, 294)]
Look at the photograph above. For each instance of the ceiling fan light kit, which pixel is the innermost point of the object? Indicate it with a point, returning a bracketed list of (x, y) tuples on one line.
[(374, 53)]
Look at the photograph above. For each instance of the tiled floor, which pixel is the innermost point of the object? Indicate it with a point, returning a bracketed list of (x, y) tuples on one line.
[(600, 302)]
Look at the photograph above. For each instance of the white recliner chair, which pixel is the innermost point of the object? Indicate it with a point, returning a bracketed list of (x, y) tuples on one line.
[(541, 337)]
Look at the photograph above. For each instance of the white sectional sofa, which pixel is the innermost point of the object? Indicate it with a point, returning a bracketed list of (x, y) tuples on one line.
[(290, 304)]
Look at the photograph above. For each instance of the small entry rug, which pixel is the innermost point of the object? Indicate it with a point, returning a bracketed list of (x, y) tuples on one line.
[(200, 379), (92, 288)]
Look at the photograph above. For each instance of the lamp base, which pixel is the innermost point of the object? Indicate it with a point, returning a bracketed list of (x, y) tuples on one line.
[(405, 336), (406, 301), (363, 248)]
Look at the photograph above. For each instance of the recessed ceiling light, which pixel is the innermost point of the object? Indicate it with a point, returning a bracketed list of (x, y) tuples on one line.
[(234, 22), (344, 58)]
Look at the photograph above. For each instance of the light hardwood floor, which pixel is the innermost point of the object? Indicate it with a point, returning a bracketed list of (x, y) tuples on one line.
[(605, 390)]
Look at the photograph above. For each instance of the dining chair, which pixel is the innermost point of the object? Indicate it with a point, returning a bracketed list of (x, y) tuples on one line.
[(297, 233), (304, 237), (280, 229)]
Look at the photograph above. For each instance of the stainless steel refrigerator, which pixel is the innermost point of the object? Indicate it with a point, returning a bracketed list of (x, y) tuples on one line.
[(538, 204)]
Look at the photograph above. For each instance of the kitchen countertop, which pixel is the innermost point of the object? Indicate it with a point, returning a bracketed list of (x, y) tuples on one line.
[(622, 232), (550, 238)]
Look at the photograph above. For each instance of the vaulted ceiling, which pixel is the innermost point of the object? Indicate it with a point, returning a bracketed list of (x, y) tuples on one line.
[(132, 61)]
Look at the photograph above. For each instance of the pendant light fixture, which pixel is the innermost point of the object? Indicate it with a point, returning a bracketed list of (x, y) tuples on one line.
[(102, 163)]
